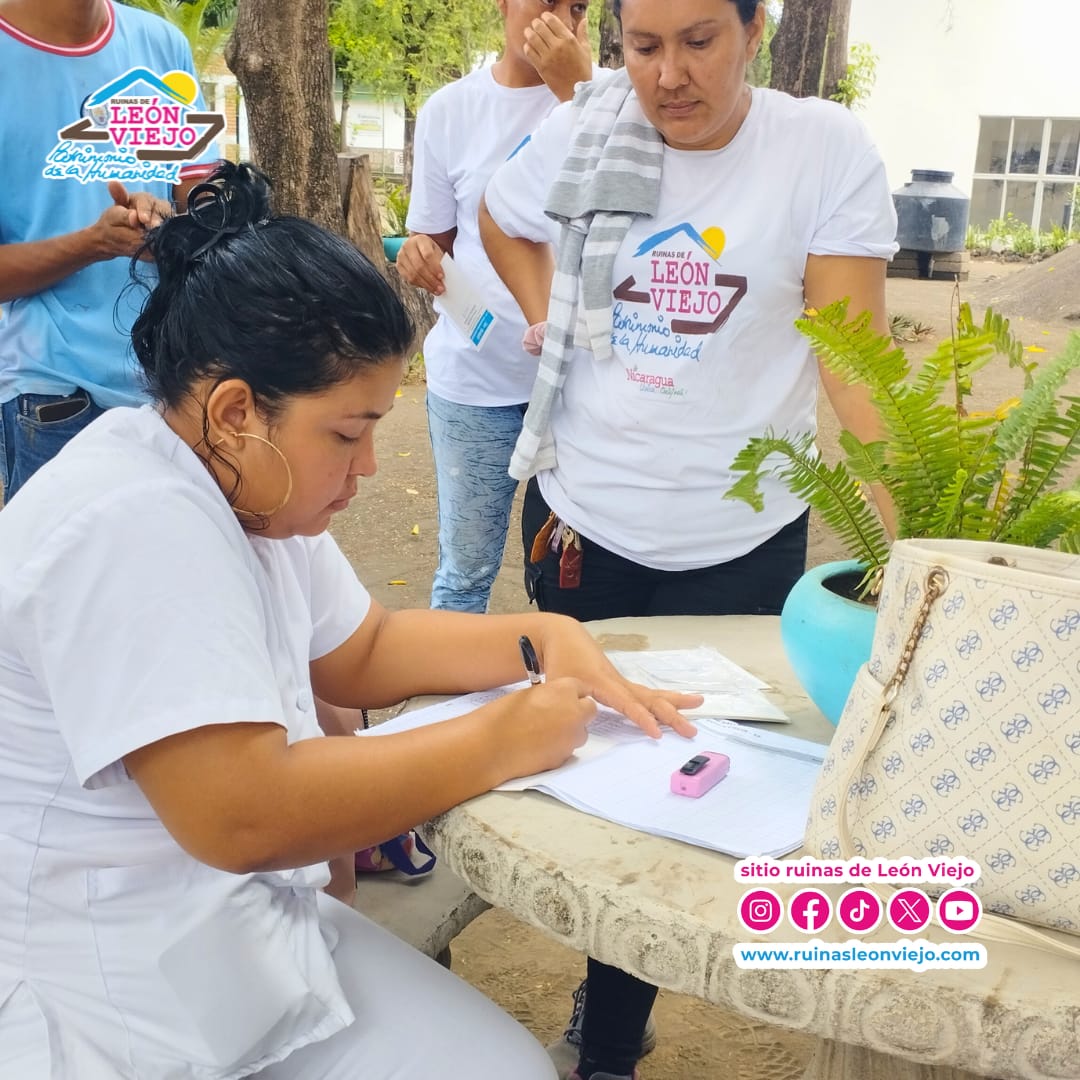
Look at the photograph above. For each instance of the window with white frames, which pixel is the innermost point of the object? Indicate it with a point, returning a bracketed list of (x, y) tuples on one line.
[(1026, 166)]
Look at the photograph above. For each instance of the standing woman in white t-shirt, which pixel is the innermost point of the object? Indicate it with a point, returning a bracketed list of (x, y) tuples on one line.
[(170, 605), (476, 397), (691, 242)]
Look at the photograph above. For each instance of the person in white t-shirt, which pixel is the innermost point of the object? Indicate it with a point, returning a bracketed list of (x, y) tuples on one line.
[(170, 605), (476, 396), (748, 206)]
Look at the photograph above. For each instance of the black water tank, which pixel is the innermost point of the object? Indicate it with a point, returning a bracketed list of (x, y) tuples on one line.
[(931, 214)]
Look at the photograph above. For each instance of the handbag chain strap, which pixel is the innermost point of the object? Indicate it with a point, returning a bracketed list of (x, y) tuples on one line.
[(936, 580)]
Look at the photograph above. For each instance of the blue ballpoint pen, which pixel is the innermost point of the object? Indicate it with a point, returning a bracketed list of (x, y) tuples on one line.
[(528, 657)]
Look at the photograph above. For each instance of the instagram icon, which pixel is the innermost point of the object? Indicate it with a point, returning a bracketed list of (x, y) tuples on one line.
[(760, 910)]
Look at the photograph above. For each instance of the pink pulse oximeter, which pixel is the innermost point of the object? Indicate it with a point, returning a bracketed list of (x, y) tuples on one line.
[(700, 774)]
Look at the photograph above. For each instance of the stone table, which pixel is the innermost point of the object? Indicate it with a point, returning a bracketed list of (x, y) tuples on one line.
[(667, 912)]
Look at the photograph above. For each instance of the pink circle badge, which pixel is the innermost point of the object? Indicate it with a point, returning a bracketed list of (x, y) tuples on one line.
[(760, 911), (859, 911), (909, 911), (959, 910), (809, 911)]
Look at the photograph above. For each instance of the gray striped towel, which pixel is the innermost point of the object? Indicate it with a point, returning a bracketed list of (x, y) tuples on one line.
[(610, 175)]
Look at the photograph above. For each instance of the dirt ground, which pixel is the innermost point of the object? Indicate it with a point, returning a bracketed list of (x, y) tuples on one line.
[(390, 535)]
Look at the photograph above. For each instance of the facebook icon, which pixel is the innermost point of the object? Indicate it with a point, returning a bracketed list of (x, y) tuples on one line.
[(809, 911)]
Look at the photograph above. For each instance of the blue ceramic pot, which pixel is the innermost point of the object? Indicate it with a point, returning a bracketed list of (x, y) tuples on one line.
[(827, 637), (391, 245)]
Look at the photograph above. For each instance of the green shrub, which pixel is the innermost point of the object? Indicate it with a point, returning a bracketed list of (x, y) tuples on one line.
[(393, 203), (1013, 235), (950, 472)]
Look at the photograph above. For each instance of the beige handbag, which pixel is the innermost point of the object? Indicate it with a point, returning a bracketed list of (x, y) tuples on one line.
[(961, 735)]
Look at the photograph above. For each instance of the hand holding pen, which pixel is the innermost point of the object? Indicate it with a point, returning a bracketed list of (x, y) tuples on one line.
[(568, 649), (530, 660)]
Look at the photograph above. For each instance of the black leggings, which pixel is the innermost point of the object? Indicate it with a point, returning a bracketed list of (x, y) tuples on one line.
[(617, 1005), (612, 587)]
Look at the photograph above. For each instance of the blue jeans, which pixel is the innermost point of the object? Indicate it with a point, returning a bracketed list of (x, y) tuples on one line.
[(471, 445), (28, 441)]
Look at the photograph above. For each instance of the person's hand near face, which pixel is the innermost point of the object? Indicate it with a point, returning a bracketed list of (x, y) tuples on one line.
[(559, 51)]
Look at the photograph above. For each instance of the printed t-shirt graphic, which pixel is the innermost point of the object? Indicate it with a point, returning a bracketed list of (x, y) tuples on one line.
[(139, 127), (676, 295)]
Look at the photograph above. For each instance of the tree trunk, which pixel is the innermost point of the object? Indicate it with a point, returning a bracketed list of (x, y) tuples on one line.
[(410, 141), (809, 49), (836, 56), (279, 54), (343, 123), (361, 218), (362, 228), (280, 57), (411, 101), (610, 39)]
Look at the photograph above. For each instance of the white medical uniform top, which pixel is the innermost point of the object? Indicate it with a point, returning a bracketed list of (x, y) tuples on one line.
[(133, 607)]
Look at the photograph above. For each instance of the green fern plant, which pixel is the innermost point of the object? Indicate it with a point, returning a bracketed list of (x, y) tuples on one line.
[(951, 472)]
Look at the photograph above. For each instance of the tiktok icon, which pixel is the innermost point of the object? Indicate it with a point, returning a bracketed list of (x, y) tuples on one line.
[(859, 911), (809, 911)]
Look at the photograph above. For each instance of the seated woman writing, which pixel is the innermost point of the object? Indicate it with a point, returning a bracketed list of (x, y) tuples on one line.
[(170, 606)]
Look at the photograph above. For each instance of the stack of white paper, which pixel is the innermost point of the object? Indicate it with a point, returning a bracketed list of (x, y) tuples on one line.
[(730, 691), (624, 776)]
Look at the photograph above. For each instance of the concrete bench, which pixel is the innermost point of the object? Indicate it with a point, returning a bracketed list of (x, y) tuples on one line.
[(428, 912)]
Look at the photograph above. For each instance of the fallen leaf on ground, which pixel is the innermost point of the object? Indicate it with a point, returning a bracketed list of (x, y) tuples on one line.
[(415, 530), (397, 581), (404, 453), (411, 491)]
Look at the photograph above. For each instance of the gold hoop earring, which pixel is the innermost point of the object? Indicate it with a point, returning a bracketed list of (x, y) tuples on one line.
[(264, 514)]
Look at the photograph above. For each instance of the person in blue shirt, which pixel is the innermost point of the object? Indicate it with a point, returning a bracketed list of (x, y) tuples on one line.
[(100, 131)]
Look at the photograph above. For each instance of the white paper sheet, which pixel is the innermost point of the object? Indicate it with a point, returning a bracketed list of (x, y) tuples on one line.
[(624, 776), (759, 808), (703, 669), (730, 691), (463, 305)]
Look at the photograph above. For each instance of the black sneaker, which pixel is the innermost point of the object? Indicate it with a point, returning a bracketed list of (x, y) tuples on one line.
[(566, 1052)]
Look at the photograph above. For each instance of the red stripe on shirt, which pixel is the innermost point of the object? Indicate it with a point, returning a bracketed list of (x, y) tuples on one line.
[(65, 50), (190, 172)]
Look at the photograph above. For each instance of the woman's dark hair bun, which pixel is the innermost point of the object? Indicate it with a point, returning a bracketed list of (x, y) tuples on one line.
[(243, 293), (234, 198)]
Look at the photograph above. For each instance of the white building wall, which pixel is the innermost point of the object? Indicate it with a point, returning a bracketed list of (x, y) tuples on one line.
[(944, 63), (373, 125)]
